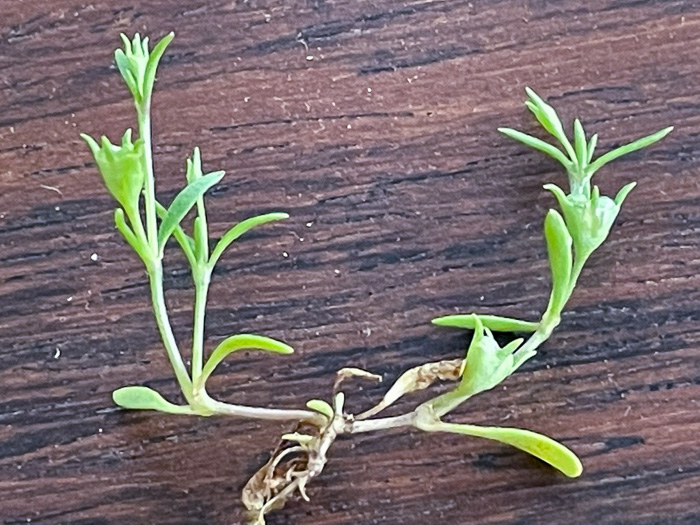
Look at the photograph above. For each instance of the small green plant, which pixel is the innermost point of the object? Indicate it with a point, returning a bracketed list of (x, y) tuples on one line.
[(147, 225)]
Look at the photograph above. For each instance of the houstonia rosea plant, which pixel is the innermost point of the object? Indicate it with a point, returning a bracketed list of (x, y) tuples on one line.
[(147, 225)]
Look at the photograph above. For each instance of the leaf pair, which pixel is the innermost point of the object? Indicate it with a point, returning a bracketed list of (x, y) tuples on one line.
[(589, 219), (144, 398), (576, 158), (187, 243), (198, 185), (547, 116), (183, 203)]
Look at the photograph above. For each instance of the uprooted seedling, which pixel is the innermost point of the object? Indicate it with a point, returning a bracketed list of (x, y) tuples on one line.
[(147, 225)]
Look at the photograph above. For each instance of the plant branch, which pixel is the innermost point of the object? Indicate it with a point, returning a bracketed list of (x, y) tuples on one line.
[(271, 414), (202, 278), (160, 310), (149, 190)]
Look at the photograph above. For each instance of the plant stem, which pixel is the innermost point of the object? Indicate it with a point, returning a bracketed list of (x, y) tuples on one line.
[(155, 266), (155, 275), (270, 414), (575, 274), (383, 423), (149, 190), (448, 401), (202, 279), (201, 275)]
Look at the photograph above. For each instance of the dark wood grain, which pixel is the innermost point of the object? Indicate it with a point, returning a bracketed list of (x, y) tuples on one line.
[(373, 125)]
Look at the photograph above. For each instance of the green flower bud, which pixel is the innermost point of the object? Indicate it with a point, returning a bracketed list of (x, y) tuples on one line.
[(138, 65), (122, 168)]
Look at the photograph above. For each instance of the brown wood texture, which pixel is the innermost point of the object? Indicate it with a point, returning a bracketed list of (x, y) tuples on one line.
[(373, 123)]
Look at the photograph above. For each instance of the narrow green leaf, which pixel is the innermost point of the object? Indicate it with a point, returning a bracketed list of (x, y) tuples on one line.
[(144, 398), (539, 145), (549, 119), (193, 166), (201, 238), (92, 144), (492, 322), (242, 342), (560, 258), (538, 445), (183, 203), (185, 241), (629, 148), (238, 230), (126, 42), (320, 406), (124, 67), (580, 145), (591, 147), (154, 60), (545, 114), (558, 194), (141, 248), (622, 194)]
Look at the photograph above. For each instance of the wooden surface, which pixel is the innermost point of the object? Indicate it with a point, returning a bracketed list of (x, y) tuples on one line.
[(373, 124)]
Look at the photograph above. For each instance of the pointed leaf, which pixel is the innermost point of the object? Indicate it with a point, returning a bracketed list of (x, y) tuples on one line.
[(538, 445), (559, 244), (185, 241), (629, 148), (559, 195), (547, 116), (139, 246), (144, 398), (591, 147), (492, 322), (126, 42), (239, 229), (544, 113), (242, 342), (622, 194), (154, 60), (124, 66), (537, 144), (183, 203), (580, 145), (194, 166)]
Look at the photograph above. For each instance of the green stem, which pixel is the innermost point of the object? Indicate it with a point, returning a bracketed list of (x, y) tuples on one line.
[(132, 214), (214, 407), (575, 274), (448, 401), (201, 275), (155, 275), (149, 190), (203, 247), (382, 423), (201, 290)]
